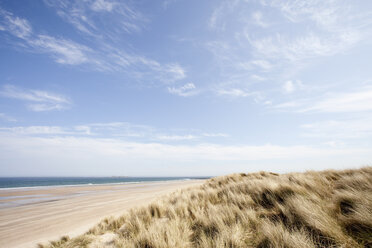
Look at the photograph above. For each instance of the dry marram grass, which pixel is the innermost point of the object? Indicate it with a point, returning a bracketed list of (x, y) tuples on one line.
[(313, 209)]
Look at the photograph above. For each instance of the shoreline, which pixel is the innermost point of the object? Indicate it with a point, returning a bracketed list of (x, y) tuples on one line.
[(21, 196), (97, 184), (73, 210), (94, 184)]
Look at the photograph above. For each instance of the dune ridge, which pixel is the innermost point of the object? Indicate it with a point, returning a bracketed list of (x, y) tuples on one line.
[(313, 209)]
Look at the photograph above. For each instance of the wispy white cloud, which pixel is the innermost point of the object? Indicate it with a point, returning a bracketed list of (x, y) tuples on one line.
[(139, 66), (333, 27), (259, 20), (239, 92), (19, 27), (36, 100), (257, 77), (289, 105), (338, 27), (333, 143), (6, 117), (224, 135), (100, 149), (34, 130), (359, 127), (177, 70), (217, 19), (167, 3), (185, 90), (356, 101), (329, 15), (353, 101), (31, 95), (72, 155), (264, 64), (233, 92), (278, 40), (85, 129), (103, 5), (304, 47), (214, 18), (142, 67), (103, 55), (64, 51), (117, 131), (288, 86), (176, 137), (119, 16)]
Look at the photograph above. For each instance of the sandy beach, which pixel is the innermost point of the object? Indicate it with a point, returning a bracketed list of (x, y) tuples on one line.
[(30, 216)]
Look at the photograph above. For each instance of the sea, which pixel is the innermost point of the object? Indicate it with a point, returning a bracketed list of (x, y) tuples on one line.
[(25, 182)]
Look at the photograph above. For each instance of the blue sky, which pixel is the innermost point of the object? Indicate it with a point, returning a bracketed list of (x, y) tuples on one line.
[(184, 87)]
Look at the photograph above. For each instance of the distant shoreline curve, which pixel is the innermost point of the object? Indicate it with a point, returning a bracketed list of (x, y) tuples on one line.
[(96, 184)]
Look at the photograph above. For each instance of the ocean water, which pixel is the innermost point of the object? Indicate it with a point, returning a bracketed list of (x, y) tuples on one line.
[(17, 182)]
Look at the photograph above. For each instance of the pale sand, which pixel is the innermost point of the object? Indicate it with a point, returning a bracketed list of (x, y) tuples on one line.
[(71, 210)]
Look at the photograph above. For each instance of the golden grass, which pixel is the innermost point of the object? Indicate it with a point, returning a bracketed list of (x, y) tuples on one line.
[(313, 209)]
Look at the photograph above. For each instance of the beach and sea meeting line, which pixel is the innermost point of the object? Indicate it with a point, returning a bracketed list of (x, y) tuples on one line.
[(32, 182)]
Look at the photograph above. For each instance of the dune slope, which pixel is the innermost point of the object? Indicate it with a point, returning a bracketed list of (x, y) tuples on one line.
[(313, 209)]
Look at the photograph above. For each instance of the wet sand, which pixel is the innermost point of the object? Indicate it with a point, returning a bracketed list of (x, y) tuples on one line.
[(30, 216)]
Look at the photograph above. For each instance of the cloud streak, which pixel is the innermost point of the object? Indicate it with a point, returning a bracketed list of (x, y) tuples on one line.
[(343, 102), (357, 101), (188, 89), (106, 157), (6, 117), (64, 51), (119, 130), (124, 149), (346, 128), (278, 40), (36, 100), (100, 54), (90, 17), (304, 47), (19, 27)]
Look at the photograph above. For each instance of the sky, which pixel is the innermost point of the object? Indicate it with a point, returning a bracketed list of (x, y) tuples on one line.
[(184, 87)]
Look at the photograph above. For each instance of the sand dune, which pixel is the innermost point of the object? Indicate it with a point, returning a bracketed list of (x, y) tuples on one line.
[(48, 213), (262, 210)]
